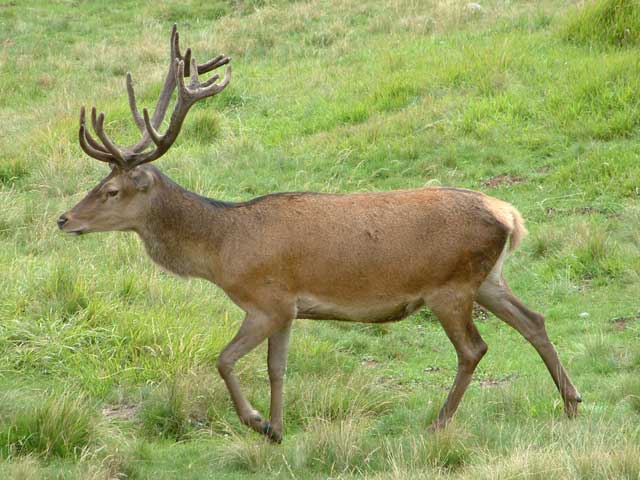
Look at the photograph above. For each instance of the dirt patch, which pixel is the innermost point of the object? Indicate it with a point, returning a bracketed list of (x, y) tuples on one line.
[(369, 362), (585, 284), (506, 179), (45, 81), (119, 412), (480, 313), (621, 323)]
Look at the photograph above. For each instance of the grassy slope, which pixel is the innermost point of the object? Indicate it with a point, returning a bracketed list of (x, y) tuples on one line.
[(105, 361)]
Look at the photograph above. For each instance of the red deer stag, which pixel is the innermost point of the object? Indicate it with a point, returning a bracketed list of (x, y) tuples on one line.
[(364, 257)]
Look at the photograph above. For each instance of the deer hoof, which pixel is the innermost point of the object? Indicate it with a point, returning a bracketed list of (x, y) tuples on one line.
[(253, 420), (571, 408), (270, 433)]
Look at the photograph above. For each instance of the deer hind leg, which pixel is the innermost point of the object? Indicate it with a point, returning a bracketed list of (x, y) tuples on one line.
[(454, 311), (253, 331), (495, 295)]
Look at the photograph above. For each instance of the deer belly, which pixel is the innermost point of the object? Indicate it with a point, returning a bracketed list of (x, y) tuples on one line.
[(373, 312)]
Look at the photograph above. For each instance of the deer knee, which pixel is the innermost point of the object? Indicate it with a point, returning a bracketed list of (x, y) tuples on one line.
[(470, 357), (479, 351), (224, 366), (537, 319), (277, 372)]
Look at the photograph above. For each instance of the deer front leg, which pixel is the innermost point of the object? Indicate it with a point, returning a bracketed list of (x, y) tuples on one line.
[(277, 361), (253, 331)]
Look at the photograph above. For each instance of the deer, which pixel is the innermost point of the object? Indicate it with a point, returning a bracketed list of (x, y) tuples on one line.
[(358, 257)]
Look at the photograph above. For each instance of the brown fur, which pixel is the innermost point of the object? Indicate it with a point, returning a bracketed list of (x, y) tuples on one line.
[(365, 257)]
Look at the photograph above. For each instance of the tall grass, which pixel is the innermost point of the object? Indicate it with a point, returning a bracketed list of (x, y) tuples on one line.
[(60, 425), (605, 22)]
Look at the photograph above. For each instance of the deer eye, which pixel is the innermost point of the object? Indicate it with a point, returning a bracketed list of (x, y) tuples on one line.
[(112, 193)]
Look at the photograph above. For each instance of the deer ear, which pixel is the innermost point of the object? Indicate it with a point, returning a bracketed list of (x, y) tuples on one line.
[(141, 179)]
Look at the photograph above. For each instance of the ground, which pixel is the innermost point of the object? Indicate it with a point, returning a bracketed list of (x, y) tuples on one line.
[(107, 363)]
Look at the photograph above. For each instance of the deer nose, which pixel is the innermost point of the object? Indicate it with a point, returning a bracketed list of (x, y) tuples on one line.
[(61, 221)]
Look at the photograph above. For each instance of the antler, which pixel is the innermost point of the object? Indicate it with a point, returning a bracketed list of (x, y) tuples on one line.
[(180, 66)]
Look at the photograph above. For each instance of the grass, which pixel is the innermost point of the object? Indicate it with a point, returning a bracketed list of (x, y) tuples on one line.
[(107, 363), (57, 426), (613, 22)]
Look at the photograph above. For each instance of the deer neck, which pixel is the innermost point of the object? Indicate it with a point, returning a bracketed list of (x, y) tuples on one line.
[(184, 232)]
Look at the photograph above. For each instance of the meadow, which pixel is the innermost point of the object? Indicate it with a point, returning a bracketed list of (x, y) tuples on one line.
[(107, 364)]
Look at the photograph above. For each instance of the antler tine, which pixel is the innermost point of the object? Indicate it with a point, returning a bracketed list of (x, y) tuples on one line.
[(165, 94), (95, 144), (175, 42), (187, 62), (155, 136), (89, 150), (132, 104), (197, 90), (209, 88), (220, 86), (89, 146), (194, 73), (214, 63), (98, 126), (89, 139), (211, 80), (182, 89)]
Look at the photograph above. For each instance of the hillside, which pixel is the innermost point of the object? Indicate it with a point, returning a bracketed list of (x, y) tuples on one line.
[(107, 364)]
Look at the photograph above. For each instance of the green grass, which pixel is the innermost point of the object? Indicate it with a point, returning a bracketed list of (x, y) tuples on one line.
[(107, 363), (56, 426), (608, 22)]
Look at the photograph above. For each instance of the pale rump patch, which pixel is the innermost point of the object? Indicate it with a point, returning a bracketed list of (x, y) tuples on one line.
[(510, 217), (495, 275)]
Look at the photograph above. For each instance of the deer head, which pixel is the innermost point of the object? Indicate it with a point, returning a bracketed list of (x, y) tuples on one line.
[(121, 198)]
